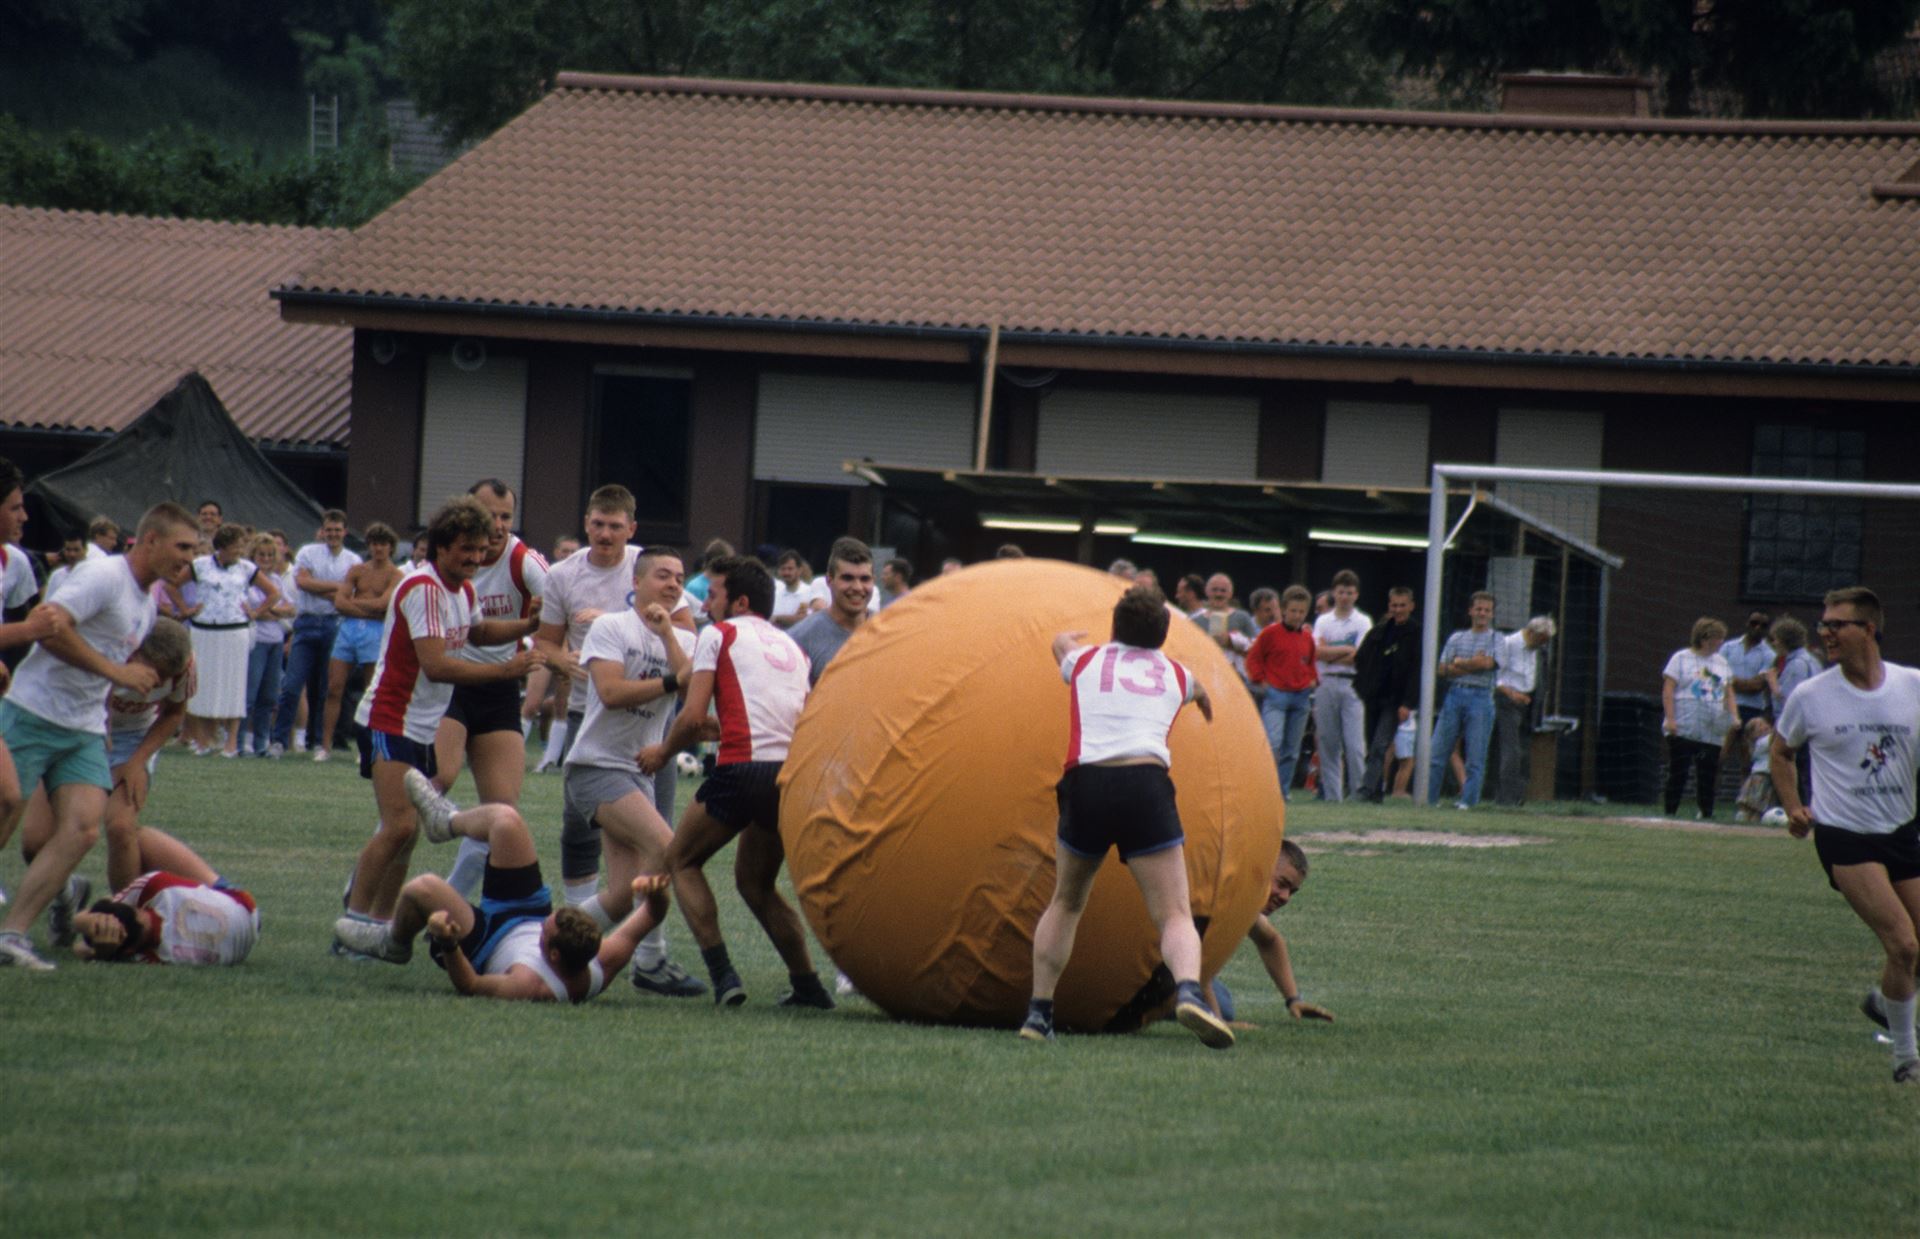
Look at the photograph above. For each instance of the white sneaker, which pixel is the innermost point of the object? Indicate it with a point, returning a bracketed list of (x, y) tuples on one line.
[(322, 754), (276, 750), (373, 939), (843, 985), (299, 744), (17, 952), (436, 811)]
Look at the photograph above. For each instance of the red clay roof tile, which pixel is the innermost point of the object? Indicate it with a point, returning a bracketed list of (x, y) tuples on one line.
[(100, 315), (1705, 241)]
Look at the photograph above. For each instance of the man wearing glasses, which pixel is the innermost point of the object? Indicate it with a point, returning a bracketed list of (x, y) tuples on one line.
[(1859, 720)]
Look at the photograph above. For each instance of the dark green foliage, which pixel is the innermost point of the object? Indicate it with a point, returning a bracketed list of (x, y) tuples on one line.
[(189, 175)]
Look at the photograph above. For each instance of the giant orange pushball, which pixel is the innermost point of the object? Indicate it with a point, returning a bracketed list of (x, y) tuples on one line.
[(917, 804)]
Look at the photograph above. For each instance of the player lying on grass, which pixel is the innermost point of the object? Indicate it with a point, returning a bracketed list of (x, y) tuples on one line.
[(178, 911), (1116, 793), (513, 945), (1289, 875)]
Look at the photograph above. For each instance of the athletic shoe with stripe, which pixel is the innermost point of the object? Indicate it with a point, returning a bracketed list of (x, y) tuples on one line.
[(436, 811)]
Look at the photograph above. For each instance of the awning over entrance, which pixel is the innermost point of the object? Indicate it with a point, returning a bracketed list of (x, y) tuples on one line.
[(1159, 511)]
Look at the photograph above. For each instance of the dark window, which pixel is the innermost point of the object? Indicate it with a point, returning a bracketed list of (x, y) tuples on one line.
[(1801, 546), (641, 441)]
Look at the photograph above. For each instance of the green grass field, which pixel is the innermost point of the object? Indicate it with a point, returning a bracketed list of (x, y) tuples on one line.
[(1614, 1031)]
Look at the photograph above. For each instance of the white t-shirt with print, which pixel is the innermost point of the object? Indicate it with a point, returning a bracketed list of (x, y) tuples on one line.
[(400, 699), (1700, 687), (760, 686), (1330, 629), (613, 738), (577, 584), (112, 614), (1862, 746), (223, 589), (504, 589)]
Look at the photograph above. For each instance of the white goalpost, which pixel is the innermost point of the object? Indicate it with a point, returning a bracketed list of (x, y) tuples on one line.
[(1440, 538)]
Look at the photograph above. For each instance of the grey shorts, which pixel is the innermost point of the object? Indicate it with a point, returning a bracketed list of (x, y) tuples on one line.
[(588, 787)]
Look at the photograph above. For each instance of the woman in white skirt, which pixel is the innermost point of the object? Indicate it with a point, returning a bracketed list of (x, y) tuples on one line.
[(223, 632)]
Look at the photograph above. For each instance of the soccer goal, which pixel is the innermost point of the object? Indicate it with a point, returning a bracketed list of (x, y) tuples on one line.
[(1626, 564)]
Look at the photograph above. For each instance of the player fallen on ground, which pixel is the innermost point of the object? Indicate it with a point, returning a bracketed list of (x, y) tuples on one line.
[(513, 945), (756, 679), (177, 911), (1116, 792), (1858, 720), (1289, 875), (433, 614)]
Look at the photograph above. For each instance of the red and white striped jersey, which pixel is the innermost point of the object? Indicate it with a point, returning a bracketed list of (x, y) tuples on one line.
[(1124, 700), (198, 924), (401, 700), (759, 685), (504, 588)]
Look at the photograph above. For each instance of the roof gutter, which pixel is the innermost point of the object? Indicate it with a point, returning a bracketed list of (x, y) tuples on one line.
[(1178, 344)]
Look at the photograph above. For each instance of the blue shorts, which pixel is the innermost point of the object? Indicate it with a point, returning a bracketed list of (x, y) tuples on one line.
[(44, 751), (120, 748), (357, 641), (507, 898), (386, 746)]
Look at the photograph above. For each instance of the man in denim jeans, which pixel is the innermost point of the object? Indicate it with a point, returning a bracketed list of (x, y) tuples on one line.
[(1468, 661), (318, 569)]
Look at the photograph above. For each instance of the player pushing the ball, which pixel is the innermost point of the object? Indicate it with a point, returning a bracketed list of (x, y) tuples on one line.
[(1116, 792)]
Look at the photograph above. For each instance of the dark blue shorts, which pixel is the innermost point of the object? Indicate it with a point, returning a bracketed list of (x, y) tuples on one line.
[(1128, 807), (507, 897), (743, 794), (386, 746)]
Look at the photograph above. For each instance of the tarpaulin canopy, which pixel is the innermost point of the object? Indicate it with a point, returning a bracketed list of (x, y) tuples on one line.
[(185, 448)]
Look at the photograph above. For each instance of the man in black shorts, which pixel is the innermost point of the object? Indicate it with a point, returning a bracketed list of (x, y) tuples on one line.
[(756, 679)]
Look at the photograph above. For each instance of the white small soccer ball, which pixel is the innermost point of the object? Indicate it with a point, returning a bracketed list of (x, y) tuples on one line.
[(687, 764), (1775, 816)]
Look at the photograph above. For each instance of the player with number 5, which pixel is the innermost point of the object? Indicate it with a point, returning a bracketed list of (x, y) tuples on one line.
[(1116, 792)]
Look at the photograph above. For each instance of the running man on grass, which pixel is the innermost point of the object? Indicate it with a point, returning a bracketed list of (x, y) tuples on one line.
[(54, 721), (756, 679), (1859, 720), (432, 617), (1116, 793)]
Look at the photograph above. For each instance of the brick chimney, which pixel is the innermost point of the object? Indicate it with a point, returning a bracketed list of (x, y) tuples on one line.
[(1575, 94)]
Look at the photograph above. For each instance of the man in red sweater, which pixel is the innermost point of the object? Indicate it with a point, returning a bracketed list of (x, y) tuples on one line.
[(1281, 661)]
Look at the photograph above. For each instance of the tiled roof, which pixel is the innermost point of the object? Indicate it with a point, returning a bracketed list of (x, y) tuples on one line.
[(1270, 227), (100, 315)]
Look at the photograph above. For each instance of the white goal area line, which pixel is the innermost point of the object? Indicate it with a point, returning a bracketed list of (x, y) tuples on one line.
[(1438, 537)]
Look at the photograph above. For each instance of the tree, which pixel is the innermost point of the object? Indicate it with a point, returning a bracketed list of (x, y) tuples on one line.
[(474, 64), (1780, 58)]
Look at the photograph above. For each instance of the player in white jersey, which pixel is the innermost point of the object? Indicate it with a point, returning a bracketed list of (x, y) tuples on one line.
[(638, 665), (430, 618), (54, 720), (176, 910), (513, 944), (581, 589), (1123, 697), (482, 723), (1859, 721), (756, 679)]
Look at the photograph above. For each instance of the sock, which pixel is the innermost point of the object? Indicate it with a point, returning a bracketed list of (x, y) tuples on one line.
[(468, 867), (718, 962), (526, 728), (1042, 1007), (556, 744), (582, 890), (652, 951), (364, 916), (597, 909), (807, 985), (1900, 1026)]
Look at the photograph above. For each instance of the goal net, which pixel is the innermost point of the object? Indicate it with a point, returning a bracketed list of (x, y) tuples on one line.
[(1625, 564)]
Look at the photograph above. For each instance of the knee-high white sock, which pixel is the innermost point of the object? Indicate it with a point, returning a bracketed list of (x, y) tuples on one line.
[(583, 891), (526, 727), (468, 867), (1900, 1026), (597, 909), (556, 742), (652, 949)]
